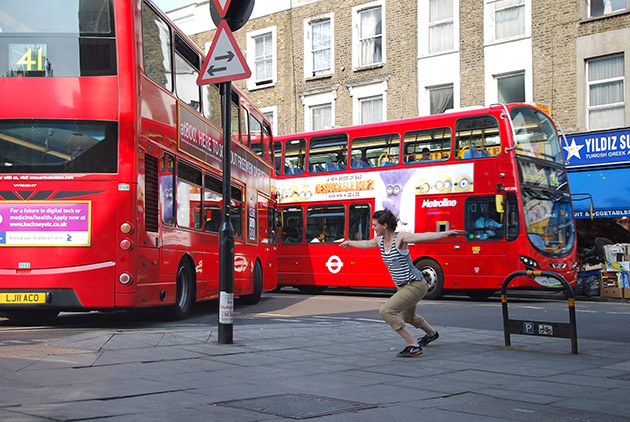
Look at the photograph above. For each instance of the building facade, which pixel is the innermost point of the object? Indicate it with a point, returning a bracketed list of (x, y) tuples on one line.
[(318, 64)]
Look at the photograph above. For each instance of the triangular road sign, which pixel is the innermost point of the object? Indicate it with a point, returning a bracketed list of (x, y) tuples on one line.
[(224, 61), (222, 7)]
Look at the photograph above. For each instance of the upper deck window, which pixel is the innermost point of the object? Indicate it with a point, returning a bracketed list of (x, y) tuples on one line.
[(156, 46), (536, 134), (423, 146), (477, 137), (375, 151), (57, 38), (327, 153)]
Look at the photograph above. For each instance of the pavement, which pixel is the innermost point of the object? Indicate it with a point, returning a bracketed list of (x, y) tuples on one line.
[(323, 369)]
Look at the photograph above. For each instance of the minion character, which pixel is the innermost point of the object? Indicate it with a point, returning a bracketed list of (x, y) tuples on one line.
[(290, 194), (447, 184), (424, 187), (463, 184), (305, 193)]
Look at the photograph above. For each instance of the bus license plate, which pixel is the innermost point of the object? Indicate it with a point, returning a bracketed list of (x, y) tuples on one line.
[(23, 297)]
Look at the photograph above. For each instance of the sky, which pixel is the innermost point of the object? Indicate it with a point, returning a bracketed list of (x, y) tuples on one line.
[(168, 5)]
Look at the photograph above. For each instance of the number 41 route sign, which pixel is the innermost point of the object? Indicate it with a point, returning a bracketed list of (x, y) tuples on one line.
[(225, 61)]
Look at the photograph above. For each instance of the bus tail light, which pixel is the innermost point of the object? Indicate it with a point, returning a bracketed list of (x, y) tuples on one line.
[(126, 228), (124, 279), (126, 245), (530, 263)]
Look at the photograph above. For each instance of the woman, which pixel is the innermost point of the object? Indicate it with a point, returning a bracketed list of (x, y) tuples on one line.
[(411, 286)]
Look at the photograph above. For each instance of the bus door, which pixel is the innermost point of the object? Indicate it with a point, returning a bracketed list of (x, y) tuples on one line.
[(362, 266), (483, 257)]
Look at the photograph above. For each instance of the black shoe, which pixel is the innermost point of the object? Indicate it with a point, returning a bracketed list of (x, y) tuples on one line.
[(410, 351), (428, 339)]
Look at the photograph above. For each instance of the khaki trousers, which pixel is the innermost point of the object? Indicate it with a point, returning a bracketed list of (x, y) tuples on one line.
[(404, 302)]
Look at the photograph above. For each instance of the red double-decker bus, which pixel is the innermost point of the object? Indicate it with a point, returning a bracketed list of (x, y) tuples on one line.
[(496, 172), (110, 165)]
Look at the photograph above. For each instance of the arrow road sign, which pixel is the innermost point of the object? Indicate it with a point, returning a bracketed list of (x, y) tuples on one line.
[(224, 61)]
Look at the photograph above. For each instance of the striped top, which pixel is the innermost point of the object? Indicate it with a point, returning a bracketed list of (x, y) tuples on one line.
[(399, 264)]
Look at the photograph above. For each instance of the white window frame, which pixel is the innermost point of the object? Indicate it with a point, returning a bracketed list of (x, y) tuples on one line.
[(490, 7), (590, 108), (308, 45), (440, 87), (367, 91), (251, 57), (273, 110), (356, 42), (588, 9), (314, 100), (509, 75)]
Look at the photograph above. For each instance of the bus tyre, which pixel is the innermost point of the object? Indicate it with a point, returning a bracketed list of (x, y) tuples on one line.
[(434, 276), (185, 293), (254, 298)]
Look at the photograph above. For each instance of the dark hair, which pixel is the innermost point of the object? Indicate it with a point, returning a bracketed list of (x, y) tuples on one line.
[(386, 216)]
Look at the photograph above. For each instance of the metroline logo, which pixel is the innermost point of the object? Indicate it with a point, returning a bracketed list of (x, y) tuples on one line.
[(439, 203)]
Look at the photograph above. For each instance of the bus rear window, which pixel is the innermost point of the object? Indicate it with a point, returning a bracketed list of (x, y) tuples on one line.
[(58, 146), (57, 38)]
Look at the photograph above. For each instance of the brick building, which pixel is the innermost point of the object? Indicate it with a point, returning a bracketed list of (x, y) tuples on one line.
[(322, 63), (319, 63)]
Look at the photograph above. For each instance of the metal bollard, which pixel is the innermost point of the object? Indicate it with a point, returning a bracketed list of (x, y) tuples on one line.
[(540, 328)]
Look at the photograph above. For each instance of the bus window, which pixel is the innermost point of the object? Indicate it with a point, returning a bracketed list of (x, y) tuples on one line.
[(423, 146), (255, 136), (294, 156), (244, 127), (325, 223), (327, 153), (477, 137), (188, 196), (482, 221), (212, 197), (166, 188), (186, 72), (235, 118), (212, 104), (267, 144), (277, 154), (292, 223), (360, 222), (156, 42), (237, 211), (375, 151)]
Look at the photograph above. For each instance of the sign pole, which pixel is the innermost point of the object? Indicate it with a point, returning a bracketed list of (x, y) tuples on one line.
[(226, 248)]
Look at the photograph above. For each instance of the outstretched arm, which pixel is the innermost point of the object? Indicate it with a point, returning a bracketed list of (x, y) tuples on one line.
[(423, 237), (362, 244)]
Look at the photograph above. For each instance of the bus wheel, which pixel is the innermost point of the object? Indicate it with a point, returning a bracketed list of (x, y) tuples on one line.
[(185, 293), (311, 290), (254, 298), (434, 276), (480, 294)]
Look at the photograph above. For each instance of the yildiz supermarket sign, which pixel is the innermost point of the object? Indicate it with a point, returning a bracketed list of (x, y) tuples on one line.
[(597, 148)]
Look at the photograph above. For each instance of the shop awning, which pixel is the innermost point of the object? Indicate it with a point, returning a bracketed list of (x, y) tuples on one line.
[(609, 189)]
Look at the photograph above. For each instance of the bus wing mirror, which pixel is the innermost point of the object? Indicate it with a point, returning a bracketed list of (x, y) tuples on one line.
[(499, 203)]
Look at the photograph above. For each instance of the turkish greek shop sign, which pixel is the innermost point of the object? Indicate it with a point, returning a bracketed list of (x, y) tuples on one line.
[(601, 148)]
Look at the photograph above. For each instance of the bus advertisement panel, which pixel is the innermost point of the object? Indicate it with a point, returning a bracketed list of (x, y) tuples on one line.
[(495, 172), (111, 165)]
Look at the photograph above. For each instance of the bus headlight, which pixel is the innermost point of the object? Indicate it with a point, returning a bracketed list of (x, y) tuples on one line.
[(124, 279), (529, 263)]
